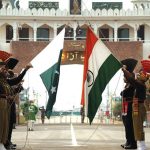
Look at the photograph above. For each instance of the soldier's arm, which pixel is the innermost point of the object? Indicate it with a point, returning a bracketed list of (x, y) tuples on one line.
[(18, 79)]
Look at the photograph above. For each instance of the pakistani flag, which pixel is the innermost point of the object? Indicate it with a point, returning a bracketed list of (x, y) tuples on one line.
[(47, 64), (99, 67)]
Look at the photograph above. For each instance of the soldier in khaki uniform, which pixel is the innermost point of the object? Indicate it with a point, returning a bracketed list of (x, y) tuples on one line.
[(13, 81), (5, 97)]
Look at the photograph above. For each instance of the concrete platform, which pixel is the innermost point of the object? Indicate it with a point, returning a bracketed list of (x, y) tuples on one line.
[(72, 137)]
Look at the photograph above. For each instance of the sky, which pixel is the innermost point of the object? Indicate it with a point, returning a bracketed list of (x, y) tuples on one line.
[(70, 84)]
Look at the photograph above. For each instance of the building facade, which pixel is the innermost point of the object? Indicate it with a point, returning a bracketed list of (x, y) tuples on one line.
[(126, 32)]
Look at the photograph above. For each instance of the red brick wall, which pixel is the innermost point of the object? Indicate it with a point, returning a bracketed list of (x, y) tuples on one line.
[(25, 51), (122, 50)]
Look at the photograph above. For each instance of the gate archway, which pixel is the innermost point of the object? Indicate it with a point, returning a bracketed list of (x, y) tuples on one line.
[(73, 53)]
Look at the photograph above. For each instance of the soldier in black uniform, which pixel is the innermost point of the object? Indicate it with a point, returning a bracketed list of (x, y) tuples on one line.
[(127, 100), (139, 111)]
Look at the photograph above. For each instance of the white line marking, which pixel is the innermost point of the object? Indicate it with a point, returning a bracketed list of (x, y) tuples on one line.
[(74, 141)]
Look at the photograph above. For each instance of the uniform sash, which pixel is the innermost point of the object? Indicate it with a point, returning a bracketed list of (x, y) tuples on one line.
[(135, 106), (124, 107)]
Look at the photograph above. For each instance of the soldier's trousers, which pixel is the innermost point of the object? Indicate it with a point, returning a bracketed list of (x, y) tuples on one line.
[(128, 124), (138, 120), (3, 120)]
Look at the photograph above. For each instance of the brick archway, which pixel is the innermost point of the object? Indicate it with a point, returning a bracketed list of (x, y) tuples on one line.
[(73, 53)]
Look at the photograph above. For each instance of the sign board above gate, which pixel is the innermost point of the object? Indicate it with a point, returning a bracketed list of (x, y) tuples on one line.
[(43, 5), (72, 57), (73, 52)]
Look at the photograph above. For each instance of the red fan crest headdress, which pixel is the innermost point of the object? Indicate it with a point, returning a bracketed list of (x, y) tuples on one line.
[(4, 55), (146, 65)]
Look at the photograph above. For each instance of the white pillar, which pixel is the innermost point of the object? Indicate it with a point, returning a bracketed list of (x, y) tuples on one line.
[(95, 29), (55, 31), (115, 32), (15, 30), (35, 31), (111, 34), (135, 32), (35, 34)]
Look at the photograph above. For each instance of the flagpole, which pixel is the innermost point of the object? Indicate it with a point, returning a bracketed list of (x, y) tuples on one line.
[(108, 100), (46, 96)]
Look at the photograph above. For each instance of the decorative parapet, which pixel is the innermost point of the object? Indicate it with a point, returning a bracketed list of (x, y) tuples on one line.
[(86, 12)]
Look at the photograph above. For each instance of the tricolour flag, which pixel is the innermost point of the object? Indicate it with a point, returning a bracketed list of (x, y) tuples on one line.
[(47, 63), (99, 67)]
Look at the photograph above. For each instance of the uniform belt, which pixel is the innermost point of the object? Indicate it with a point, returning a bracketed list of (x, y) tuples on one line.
[(140, 101), (129, 100), (3, 96)]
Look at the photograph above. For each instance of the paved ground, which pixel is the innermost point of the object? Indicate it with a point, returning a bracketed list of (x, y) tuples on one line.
[(72, 137)]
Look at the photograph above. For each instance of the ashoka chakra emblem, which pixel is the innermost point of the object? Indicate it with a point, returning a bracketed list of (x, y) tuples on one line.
[(90, 78)]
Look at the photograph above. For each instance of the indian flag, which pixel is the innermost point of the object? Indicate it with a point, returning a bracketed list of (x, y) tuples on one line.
[(47, 64), (99, 67)]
